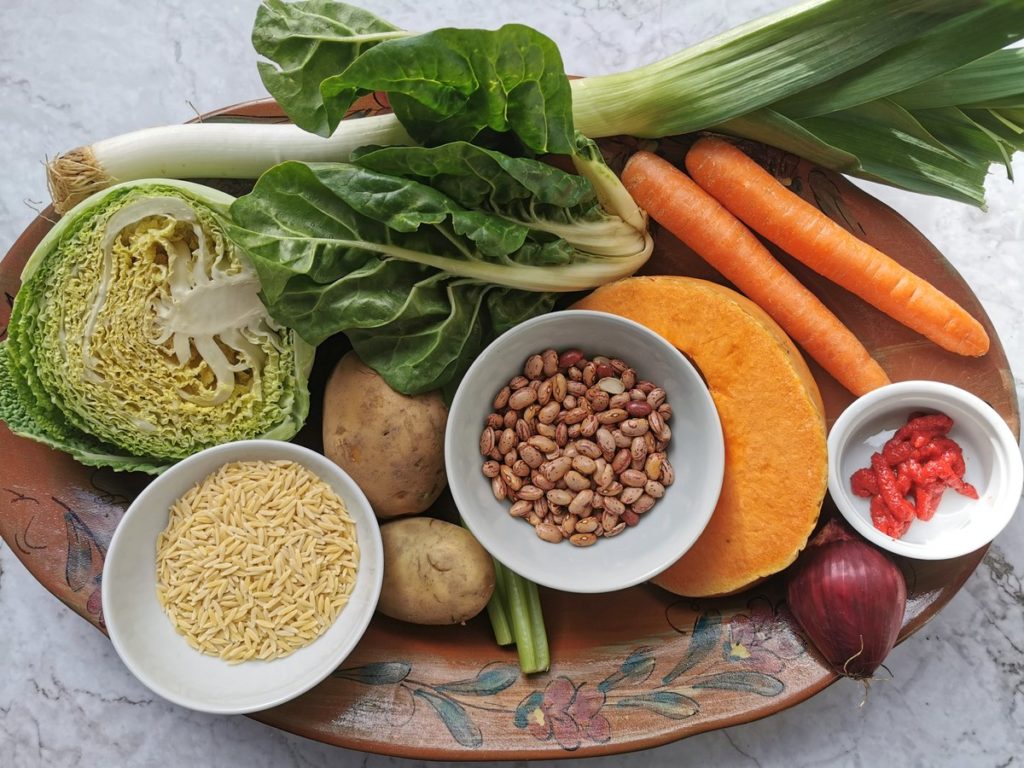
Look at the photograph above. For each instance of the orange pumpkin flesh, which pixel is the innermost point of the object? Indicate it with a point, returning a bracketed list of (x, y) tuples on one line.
[(772, 420)]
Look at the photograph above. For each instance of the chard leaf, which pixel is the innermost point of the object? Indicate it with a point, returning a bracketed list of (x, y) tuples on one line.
[(419, 280), (308, 42), (318, 221), (435, 336), (505, 85), (466, 84), (390, 262), (534, 194), (476, 177)]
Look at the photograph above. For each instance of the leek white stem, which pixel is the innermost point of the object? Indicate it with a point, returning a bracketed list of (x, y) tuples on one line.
[(207, 150)]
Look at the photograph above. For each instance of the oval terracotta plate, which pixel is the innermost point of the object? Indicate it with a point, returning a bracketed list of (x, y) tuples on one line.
[(631, 669)]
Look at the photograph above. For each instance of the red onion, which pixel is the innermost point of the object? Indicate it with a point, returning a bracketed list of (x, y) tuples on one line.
[(850, 599)]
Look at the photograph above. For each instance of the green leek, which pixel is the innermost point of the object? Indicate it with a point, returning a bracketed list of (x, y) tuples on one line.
[(835, 81)]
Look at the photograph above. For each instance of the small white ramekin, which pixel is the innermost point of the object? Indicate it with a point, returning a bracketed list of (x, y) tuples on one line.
[(991, 453)]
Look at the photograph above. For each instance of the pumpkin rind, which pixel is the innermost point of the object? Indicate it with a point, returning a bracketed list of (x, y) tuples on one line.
[(773, 422)]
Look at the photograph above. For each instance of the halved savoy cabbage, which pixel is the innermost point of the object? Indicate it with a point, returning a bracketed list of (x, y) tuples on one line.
[(138, 336)]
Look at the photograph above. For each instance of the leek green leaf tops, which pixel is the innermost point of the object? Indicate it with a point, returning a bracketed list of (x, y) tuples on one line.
[(138, 336), (835, 81)]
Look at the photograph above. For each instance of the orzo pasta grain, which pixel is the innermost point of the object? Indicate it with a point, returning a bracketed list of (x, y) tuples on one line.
[(256, 561)]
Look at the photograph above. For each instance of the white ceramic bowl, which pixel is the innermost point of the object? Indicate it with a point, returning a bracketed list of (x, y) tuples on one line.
[(696, 452), (991, 454), (144, 637)]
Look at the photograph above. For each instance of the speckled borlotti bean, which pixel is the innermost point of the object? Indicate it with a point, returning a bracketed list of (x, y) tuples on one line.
[(549, 532), (631, 494), (530, 493), (560, 496), (633, 478), (584, 465), (521, 508), (576, 445), (555, 469), (522, 398), (612, 416), (534, 367), (643, 504), (634, 427)]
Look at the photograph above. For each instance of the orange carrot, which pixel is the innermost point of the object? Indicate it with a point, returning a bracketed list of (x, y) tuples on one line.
[(673, 200), (766, 206)]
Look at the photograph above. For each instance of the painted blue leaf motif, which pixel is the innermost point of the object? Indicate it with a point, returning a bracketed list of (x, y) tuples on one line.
[(526, 706), (743, 681), (78, 567), (706, 635), (637, 667), (454, 717), (490, 681), (380, 673), (668, 704)]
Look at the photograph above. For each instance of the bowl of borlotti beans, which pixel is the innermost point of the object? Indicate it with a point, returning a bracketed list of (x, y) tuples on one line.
[(584, 451)]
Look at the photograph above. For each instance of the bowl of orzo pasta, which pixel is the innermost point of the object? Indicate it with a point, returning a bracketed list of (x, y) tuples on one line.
[(242, 576)]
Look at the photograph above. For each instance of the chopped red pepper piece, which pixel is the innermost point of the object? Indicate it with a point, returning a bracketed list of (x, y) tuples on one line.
[(918, 461), (930, 425), (898, 452), (927, 497), (883, 520), (864, 484), (898, 506)]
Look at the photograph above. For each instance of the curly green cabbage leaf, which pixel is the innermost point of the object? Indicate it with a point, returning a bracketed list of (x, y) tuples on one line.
[(138, 336)]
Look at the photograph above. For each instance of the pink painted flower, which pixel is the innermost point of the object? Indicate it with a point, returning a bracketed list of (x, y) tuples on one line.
[(565, 712), (762, 639), (94, 605)]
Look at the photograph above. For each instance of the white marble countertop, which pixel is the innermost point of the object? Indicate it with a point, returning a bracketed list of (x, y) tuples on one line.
[(72, 72)]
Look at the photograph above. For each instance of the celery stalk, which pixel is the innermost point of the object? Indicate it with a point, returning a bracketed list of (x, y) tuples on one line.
[(497, 611), (518, 607), (540, 635)]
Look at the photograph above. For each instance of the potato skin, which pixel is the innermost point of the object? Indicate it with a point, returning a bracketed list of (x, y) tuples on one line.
[(434, 572), (391, 444)]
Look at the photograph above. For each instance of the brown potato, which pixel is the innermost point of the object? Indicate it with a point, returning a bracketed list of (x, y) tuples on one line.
[(391, 444), (434, 572)]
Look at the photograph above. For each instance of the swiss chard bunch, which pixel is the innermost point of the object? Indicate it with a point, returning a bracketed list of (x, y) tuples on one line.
[(423, 254)]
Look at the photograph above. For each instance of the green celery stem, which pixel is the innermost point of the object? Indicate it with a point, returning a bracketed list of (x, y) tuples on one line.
[(540, 635), (498, 613)]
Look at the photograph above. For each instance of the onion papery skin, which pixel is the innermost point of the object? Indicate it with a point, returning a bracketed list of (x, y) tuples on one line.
[(850, 599)]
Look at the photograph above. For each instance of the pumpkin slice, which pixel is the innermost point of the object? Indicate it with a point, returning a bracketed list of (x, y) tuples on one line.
[(773, 422)]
